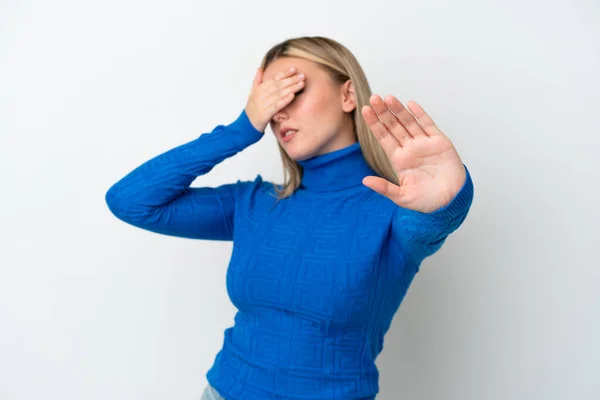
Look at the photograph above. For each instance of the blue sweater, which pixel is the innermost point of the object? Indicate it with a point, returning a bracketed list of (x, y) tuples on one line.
[(316, 278)]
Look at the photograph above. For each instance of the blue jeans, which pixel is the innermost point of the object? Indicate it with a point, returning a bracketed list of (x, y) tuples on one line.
[(210, 393)]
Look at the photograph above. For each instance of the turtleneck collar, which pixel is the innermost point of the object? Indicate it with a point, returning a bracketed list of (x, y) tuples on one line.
[(338, 170)]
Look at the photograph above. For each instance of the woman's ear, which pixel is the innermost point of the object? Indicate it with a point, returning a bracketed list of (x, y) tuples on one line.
[(348, 96)]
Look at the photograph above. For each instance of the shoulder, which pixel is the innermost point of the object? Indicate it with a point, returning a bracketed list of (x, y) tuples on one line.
[(256, 187)]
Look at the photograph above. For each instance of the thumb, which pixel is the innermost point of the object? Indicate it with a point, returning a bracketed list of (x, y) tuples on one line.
[(383, 187), (258, 77)]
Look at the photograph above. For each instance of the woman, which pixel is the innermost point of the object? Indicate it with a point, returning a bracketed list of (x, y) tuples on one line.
[(321, 263)]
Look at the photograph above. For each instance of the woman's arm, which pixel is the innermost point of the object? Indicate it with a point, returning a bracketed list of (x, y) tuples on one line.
[(422, 234), (432, 187), (157, 196)]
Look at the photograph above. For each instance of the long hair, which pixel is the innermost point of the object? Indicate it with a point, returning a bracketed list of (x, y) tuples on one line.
[(341, 64)]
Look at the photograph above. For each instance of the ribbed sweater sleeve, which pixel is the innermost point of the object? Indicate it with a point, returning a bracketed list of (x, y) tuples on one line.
[(157, 196), (422, 234)]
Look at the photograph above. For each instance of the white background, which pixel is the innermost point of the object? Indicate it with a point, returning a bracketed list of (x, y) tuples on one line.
[(92, 308)]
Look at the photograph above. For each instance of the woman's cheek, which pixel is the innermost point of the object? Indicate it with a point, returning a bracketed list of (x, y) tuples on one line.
[(313, 109)]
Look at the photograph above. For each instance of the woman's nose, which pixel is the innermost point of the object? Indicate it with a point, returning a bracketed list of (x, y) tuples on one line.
[(279, 116)]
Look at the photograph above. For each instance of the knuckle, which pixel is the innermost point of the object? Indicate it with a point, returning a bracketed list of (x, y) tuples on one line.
[(287, 82)]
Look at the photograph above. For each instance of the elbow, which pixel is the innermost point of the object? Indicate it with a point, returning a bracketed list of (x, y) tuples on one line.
[(119, 206), (127, 206), (114, 201)]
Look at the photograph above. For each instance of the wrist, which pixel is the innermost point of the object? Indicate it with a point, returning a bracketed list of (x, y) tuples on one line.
[(244, 124), (255, 124)]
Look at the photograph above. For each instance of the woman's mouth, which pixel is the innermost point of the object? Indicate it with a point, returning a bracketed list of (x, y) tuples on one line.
[(288, 135)]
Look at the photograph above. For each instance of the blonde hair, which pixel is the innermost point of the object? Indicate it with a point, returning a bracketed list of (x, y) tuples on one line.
[(341, 65)]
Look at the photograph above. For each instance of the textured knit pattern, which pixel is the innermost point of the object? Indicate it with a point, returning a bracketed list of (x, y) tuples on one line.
[(316, 278)]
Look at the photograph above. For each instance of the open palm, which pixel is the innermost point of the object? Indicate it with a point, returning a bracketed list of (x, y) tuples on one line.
[(430, 172)]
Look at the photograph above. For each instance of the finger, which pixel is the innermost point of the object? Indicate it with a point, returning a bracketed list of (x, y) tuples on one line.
[(285, 73), (276, 98), (388, 143), (280, 103), (292, 80), (404, 116), (389, 119), (384, 188), (282, 84), (425, 120), (292, 88)]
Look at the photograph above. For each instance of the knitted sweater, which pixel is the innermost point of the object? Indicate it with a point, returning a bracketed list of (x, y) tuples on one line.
[(316, 278)]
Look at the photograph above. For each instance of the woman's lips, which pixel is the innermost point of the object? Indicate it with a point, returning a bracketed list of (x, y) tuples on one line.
[(287, 137)]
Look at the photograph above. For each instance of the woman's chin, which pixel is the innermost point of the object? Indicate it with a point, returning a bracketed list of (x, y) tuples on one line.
[(298, 154), (299, 150)]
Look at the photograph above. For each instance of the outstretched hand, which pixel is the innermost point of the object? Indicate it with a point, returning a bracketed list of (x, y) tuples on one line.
[(430, 172)]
